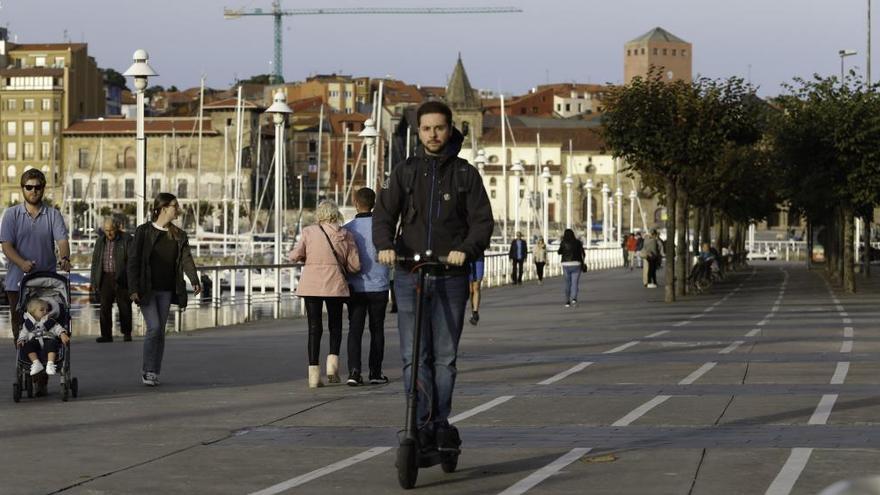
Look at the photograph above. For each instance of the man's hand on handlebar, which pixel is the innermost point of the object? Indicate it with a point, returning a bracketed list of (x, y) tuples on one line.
[(387, 257), (456, 258)]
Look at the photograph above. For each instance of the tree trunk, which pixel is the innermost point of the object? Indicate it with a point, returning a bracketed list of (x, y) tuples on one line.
[(868, 219), (699, 218), (809, 244), (682, 260), (706, 227), (669, 287), (849, 276)]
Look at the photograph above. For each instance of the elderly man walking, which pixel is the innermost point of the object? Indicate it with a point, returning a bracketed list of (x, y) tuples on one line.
[(109, 280)]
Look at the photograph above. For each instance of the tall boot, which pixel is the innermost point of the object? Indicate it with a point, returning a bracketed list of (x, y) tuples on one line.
[(332, 368), (315, 377)]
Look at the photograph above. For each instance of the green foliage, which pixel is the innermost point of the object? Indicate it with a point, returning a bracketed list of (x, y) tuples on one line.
[(114, 78), (258, 79)]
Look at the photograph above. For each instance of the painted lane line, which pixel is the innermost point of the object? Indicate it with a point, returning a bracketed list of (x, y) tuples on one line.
[(682, 323), (481, 408), (657, 334), (545, 472), (839, 308), (790, 472), (761, 323), (732, 347), (844, 314), (641, 411), (847, 332), (840, 373), (753, 332), (775, 307), (847, 321), (559, 376), (336, 466), (702, 370), (823, 410), (622, 347), (846, 347)]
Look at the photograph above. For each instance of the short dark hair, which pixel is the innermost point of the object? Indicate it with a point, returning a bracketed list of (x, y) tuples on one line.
[(365, 197), (33, 173), (434, 106)]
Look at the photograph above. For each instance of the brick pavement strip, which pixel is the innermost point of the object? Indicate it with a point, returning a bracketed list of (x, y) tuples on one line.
[(234, 406)]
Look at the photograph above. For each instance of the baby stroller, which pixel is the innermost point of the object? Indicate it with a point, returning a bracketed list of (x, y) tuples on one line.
[(54, 289)]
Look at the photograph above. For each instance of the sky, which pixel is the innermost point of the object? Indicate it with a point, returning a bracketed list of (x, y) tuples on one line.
[(765, 41)]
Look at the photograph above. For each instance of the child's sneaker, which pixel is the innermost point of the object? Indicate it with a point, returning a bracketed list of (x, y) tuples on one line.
[(50, 368), (36, 368)]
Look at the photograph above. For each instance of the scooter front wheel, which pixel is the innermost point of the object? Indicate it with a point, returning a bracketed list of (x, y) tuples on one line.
[(407, 464)]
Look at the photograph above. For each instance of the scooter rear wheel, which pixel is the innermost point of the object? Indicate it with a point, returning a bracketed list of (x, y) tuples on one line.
[(407, 464), (450, 463)]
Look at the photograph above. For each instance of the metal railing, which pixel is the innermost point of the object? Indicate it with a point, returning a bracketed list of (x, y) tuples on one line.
[(778, 250)]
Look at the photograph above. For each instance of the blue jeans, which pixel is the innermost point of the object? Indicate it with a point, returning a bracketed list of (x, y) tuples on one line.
[(442, 321), (572, 279), (155, 312)]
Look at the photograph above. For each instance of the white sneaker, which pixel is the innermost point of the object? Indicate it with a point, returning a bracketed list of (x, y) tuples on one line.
[(652, 286), (50, 368), (36, 368)]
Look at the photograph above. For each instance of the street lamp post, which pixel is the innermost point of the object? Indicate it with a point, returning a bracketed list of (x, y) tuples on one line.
[(369, 135), (632, 210), (605, 232), (300, 216), (568, 182), (610, 218), (589, 188), (278, 111), (843, 54), (517, 170), (545, 174), (140, 70), (619, 194)]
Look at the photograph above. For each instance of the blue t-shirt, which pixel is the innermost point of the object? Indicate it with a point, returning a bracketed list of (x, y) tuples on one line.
[(373, 276), (33, 238)]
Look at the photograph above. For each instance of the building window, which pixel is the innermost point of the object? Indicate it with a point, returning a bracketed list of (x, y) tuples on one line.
[(492, 193), (105, 189), (568, 107), (45, 150), (674, 52), (664, 51), (534, 109), (181, 188), (655, 51), (11, 128), (683, 52), (11, 173), (28, 150), (57, 127), (313, 146), (155, 186), (129, 188), (12, 104), (348, 170), (45, 128), (11, 151), (57, 104), (28, 127), (549, 193), (40, 61), (46, 104), (629, 53), (350, 150), (77, 188), (59, 62), (643, 51), (493, 182), (83, 158), (28, 104), (559, 107)]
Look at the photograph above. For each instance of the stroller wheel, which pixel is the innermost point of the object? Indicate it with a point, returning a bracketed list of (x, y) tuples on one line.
[(29, 386), (16, 392), (65, 391), (74, 387)]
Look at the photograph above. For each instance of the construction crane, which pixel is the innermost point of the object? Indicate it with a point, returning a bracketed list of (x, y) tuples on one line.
[(278, 14)]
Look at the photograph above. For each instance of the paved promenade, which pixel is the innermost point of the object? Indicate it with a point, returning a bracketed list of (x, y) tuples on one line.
[(769, 384)]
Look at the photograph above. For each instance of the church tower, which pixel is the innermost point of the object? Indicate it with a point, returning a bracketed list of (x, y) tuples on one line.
[(467, 108)]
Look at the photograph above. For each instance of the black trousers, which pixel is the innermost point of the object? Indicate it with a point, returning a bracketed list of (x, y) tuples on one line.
[(314, 306), (14, 317), (111, 292), (360, 306), (539, 269), (652, 270), (517, 267)]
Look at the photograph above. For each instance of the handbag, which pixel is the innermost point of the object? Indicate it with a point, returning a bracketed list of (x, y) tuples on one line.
[(342, 267)]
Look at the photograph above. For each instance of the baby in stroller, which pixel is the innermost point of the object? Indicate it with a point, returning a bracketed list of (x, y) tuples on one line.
[(39, 336)]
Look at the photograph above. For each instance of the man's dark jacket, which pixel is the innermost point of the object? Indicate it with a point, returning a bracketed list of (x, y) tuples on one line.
[(447, 208), (524, 250), (140, 278), (120, 259)]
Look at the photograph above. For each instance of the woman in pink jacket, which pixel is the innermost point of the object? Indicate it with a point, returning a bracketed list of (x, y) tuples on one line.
[(330, 254)]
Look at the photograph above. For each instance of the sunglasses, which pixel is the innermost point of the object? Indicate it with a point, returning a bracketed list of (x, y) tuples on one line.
[(29, 187)]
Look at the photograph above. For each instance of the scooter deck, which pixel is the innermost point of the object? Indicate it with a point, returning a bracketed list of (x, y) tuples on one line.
[(435, 457)]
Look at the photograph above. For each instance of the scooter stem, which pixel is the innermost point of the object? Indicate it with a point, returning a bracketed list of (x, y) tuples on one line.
[(412, 403)]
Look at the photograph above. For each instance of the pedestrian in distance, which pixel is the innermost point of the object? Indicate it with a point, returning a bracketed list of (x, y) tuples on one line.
[(640, 244), (539, 256), (652, 253), (476, 271), (443, 208), (625, 251), (330, 256), (571, 252), (631, 243), (517, 255), (29, 234), (369, 294), (159, 258), (110, 279)]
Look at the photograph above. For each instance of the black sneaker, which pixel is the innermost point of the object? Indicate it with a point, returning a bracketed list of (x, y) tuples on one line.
[(102, 340), (126, 337), (378, 378), (475, 317), (355, 379), (448, 439)]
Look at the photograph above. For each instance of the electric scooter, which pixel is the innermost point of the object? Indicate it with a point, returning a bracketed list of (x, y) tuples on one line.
[(409, 455)]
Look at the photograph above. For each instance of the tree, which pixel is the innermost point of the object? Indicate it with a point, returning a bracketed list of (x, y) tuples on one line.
[(257, 79), (114, 78)]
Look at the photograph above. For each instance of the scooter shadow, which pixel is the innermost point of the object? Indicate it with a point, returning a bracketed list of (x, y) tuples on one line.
[(484, 471)]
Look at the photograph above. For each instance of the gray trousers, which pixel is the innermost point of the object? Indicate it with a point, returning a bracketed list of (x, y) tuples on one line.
[(155, 313)]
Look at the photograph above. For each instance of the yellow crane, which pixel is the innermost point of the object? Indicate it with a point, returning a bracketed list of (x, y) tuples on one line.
[(278, 13)]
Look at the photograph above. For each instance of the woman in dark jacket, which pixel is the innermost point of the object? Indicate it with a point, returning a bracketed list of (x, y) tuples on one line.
[(571, 252), (159, 257)]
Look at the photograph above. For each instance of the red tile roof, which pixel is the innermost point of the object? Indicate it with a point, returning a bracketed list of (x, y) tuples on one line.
[(128, 126), (48, 46), (582, 139)]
